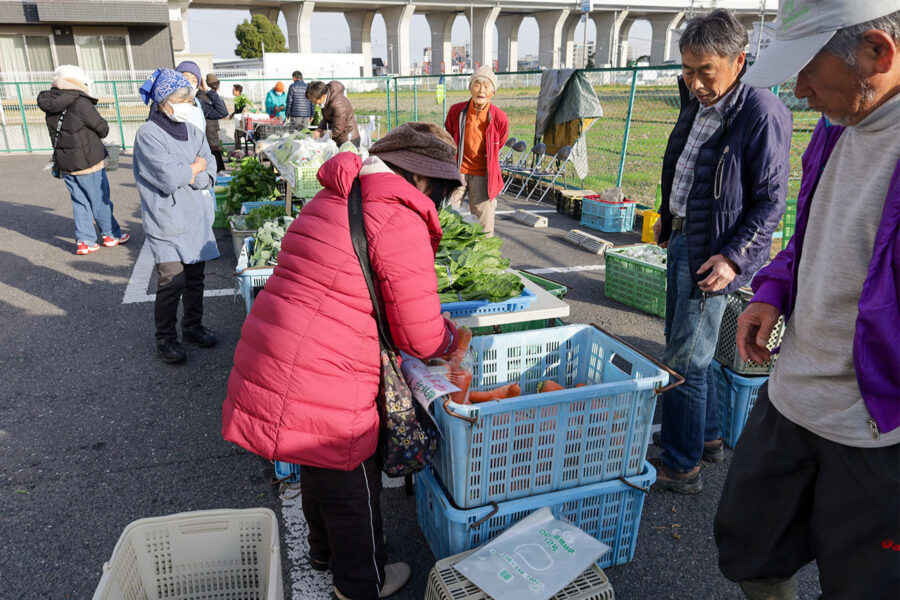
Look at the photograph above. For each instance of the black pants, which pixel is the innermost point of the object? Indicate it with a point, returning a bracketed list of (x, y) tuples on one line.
[(178, 281), (345, 530), (791, 496), (220, 162)]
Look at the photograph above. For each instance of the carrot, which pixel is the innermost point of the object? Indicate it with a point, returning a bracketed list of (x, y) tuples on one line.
[(461, 378), (549, 386), (465, 338), (580, 384), (510, 390)]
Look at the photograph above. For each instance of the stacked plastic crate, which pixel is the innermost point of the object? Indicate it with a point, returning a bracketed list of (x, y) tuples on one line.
[(580, 451), (737, 380)]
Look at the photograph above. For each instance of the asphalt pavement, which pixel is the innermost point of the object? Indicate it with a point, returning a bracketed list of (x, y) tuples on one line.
[(96, 432)]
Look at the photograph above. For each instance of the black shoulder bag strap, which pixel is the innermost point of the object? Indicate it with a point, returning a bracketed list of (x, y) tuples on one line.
[(58, 128), (361, 247)]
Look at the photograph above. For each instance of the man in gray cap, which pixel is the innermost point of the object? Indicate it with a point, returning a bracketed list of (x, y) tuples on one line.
[(816, 473)]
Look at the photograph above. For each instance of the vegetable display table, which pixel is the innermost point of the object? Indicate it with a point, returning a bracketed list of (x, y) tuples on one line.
[(547, 306)]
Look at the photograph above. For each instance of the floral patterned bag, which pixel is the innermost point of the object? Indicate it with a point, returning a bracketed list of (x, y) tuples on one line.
[(408, 435)]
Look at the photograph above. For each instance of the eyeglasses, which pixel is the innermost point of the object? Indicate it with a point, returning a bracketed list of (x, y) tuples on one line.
[(481, 85)]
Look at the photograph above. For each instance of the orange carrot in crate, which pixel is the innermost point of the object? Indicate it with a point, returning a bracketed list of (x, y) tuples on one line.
[(461, 378), (510, 390), (549, 386), (465, 338)]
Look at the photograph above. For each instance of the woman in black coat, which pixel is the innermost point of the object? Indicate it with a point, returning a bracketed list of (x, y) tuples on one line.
[(80, 156)]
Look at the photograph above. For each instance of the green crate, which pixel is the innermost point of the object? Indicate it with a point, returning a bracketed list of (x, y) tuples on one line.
[(220, 220), (790, 221), (307, 184), (554, 287), (636, 282), (517, 327)]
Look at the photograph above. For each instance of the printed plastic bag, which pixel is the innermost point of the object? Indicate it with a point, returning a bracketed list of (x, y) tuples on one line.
[(533, 559)]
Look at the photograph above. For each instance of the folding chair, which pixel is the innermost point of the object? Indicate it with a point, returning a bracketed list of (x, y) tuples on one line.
[(506, 158), (561, 160), (538, 154), (515, 166)]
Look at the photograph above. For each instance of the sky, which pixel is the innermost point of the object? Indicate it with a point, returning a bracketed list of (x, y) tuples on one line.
[(207, 29)]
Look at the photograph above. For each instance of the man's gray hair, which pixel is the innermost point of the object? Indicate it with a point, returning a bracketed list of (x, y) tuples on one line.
[(181, 94), (846, 41), (716, 33)]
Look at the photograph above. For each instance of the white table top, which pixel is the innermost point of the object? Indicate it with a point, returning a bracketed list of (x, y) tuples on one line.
[(546, 306)]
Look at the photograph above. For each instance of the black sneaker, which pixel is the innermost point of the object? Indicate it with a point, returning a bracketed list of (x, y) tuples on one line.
[(170, 351), (318, 565), (199, 336), (713, 452)]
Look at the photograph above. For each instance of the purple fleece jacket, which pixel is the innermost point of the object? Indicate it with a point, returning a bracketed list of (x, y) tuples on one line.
[(876, 341)]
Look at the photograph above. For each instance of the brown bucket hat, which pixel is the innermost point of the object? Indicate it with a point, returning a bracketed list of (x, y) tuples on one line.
[(422, 148)]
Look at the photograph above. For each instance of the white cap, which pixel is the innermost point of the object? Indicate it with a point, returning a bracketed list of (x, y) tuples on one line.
[(803, 28), (73, 72)]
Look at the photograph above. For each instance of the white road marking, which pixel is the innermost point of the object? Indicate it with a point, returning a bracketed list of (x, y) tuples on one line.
[(136, 290), (567, 269), (307, 584), (535, 210)]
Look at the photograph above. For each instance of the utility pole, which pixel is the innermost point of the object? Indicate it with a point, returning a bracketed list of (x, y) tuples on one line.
[(762, 24)]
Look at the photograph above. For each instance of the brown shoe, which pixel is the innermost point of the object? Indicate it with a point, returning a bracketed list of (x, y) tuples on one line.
[(713, 452), (673, 481)]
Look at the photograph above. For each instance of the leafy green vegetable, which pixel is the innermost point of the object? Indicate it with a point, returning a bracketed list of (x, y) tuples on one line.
[(469, 266), (259, 215), (267, 242), (252, 182)]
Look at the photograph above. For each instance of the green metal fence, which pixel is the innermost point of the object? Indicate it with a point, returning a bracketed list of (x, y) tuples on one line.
[(625, 146)]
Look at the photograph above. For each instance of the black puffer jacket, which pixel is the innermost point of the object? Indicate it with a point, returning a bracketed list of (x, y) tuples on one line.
[(213, 109), (83, 129)]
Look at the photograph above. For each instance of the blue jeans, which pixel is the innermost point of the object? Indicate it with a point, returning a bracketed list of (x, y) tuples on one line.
[(90, 202), (689, 411)]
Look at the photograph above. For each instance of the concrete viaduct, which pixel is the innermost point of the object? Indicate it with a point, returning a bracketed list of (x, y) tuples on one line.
[(556, 22)]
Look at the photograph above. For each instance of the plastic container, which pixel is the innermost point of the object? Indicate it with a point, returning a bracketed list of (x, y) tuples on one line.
[(539, 443), (736, 395), (193, 555), (610, 511), (517, 327), (636, 282), (307, 185), (483, 307), (287, 472), (224, 179), (554, 287), (239, 233), (249, 281), (446, 583), (789, 223), (726, 348), (568, 206), (220, 220), (611, 217), (650, 218)]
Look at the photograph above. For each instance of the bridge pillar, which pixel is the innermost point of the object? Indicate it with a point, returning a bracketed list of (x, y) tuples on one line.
[(178, 25), (396, 21), (609, 27), (550, 24), (508, 42), (360, 24), (441, 25), (299, 25), (269, 12), (483, 42), (567, 48), (663, 24)]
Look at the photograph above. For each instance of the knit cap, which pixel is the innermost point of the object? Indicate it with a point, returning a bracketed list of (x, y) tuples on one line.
[(486, 73)]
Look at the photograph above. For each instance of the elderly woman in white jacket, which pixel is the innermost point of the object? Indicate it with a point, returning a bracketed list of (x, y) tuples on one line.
[(174, 171)]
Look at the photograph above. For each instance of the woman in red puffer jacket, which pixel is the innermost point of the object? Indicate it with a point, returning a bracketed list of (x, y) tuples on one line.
[(306, 369)]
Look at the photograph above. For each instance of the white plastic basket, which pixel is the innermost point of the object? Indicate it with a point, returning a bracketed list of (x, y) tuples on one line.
[(196, 555)]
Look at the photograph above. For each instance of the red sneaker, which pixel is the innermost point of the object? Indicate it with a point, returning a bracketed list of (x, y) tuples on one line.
[(85, 248), (110, 241)]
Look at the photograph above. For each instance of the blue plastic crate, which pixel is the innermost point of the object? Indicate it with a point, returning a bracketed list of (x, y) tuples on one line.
[(539, 443), (736, 395), (610, 217), (246, 207), (610, 511), (287, 472), (249, 281), (483, 307), (224, 179)]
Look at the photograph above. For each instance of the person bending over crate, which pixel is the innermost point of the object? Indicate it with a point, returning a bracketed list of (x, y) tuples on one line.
[(816, 472), (724, 183)]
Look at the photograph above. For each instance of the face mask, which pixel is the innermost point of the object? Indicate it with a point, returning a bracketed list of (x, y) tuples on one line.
[(181, 113)]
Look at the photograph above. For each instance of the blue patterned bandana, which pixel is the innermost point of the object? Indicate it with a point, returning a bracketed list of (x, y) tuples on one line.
[(162, 84)]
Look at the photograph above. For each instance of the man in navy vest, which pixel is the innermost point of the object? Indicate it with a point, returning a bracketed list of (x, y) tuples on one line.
[(724, 183), (299, 110)]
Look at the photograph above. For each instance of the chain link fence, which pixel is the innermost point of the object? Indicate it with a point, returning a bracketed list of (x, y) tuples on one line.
[(625, 146)]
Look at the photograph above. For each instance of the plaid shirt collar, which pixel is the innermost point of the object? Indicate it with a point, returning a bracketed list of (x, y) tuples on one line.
[(724, 105)]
